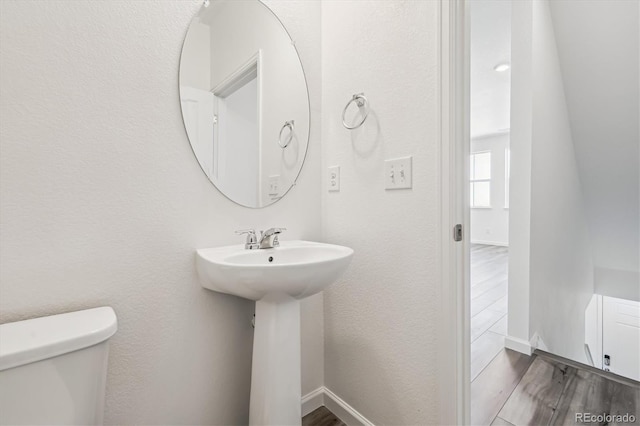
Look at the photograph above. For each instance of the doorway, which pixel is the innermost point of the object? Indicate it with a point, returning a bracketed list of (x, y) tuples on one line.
[(489, 172), (554, 277)]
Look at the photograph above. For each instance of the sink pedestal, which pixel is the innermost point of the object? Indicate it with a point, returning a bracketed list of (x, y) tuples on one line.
[(277, 279), (275, 376)]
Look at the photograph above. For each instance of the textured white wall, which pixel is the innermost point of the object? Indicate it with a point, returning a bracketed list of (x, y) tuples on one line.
[(551, 268), (103, 203), (604, 112), (491, 225), (381, 318), (561, 256)]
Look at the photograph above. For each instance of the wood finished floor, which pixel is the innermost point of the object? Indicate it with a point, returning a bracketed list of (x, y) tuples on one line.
[(548, 392), (518, 390), (509, 388), (512, 389), (322, 417), (488, 304)]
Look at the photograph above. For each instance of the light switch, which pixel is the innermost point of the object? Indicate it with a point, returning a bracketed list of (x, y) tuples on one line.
[(334, 178), (398, 173)]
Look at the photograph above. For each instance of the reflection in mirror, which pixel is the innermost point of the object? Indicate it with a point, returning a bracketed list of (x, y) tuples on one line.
[(244, 101)]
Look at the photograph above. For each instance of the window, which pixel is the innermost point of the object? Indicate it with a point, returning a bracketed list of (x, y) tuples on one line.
[(507, 176), (480, 179)]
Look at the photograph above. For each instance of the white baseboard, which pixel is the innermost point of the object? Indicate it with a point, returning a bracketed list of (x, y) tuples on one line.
[(518, 345), (523, 346), (312, 401), (344, 411), (323, 396), (490, 243), (538, 343)]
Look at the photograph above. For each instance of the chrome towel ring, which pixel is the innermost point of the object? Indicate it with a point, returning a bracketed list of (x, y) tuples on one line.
[(285, 144), (361, 101)]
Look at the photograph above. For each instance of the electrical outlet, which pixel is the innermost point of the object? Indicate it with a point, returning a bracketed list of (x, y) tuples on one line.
[(274, 185), (334, 178), (398, 172)]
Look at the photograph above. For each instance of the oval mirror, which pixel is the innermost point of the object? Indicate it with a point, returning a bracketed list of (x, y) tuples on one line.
[(244, 100)]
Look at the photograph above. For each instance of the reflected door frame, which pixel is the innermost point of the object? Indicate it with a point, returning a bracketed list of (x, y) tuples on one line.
[(248, 71)]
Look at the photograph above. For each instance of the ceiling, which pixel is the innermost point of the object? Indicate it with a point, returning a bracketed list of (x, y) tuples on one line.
[(490, 45)]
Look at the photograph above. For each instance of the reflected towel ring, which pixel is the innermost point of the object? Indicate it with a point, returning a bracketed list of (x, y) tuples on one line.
[(361, 101), (288, 124)]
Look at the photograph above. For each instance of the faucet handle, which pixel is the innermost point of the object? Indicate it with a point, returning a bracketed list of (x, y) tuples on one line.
[(252, 239), (276, 242), (245, 231), (276, 231)]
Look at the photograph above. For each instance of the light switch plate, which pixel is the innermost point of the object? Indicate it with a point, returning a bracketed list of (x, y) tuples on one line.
[(398, 173), (334, 179), (274, 185)]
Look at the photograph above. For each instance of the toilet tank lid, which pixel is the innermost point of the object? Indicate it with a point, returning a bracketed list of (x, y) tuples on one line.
[(32, 340)]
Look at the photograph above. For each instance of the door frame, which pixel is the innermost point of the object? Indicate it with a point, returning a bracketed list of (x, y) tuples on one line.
[(454, 350)]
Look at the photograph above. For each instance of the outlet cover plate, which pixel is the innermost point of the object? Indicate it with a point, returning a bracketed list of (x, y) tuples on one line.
[(333, 182), (274, 185)]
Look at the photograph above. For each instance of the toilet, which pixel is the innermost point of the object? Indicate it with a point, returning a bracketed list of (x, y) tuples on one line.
[(53, 369)]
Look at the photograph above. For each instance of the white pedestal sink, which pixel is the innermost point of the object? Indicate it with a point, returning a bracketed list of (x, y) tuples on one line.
[(276, 279)]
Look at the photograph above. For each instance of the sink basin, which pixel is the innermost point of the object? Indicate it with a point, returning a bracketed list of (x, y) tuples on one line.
[(296, 268), (276, 279)]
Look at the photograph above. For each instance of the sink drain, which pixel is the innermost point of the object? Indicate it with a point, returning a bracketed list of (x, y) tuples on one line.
[(270, 259)]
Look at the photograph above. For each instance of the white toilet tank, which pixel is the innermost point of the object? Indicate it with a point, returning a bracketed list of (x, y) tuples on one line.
[(53, 369)]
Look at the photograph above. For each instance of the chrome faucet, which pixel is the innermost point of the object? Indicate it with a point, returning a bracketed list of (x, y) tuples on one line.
[(268, 238), (252, 240)]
